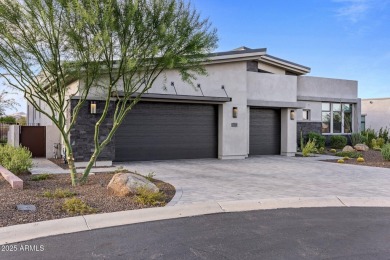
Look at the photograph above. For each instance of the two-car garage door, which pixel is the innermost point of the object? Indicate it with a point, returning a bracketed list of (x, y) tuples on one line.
[(162, 131)]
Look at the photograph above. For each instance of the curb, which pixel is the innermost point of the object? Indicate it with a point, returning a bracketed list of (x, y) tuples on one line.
[(24, 232)]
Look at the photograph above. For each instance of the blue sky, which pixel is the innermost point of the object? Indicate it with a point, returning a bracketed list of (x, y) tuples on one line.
[(348, 39)]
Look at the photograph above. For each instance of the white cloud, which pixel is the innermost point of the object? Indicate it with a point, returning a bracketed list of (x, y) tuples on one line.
[(354, 10)]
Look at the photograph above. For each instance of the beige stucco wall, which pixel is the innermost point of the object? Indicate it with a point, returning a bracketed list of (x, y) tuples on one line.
[(325, 87), (377, 111), (271, 87), (13, 135)]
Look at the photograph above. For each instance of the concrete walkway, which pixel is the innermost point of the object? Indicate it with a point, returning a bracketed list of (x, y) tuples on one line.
[(42, 165)]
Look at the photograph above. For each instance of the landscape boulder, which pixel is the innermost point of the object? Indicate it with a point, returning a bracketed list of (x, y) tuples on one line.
[(348, 148), (362, 147), (125, 183)]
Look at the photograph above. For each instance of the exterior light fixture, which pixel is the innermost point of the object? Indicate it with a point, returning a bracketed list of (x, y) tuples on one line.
[(93, 107), (292, 114), (235, 111)]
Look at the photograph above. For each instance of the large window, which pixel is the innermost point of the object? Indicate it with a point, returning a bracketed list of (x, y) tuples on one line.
[(336, 118)]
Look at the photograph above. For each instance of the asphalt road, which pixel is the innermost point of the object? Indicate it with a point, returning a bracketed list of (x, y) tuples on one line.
[(310, 233)]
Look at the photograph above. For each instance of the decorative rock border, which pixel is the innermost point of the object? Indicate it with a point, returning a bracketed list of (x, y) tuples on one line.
[(16, 182)]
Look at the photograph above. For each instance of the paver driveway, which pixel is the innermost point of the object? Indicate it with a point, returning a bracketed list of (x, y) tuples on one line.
[(266, 177)]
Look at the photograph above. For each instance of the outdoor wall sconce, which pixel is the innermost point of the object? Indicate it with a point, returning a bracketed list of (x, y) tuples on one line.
[(93, 107), (292, 114), (235, 111)]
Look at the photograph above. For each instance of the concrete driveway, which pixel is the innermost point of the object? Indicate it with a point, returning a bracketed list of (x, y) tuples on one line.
[(265, 177)]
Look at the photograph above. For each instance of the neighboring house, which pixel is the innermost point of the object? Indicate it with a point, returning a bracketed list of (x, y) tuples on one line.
[(376, 113), (251, 103)]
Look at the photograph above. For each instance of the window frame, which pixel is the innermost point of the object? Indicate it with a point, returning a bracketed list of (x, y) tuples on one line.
[(331, 123), (308, 114)]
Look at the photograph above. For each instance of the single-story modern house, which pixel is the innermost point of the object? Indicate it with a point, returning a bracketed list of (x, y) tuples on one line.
[(375, 113), (251, 103)]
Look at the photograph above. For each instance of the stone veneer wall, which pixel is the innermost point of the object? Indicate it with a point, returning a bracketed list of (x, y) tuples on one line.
[(307, 127), (81, 135)]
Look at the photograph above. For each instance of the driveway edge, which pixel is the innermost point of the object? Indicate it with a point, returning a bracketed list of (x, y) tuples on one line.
[(24, 232)]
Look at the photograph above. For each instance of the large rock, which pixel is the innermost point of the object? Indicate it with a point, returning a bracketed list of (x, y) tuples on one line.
[(124, 184), (362, 147), (348, 148)]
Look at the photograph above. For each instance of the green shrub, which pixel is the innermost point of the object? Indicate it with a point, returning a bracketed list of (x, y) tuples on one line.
[(41, 177), (15, 159), (59, 193), (150, 176), (363, 139), (349, 154), (77, 206), (356, 138), (319, 139), (333, 151), (321, 150), (384, 133), (345, 158), (386, 152), (308, 148), (338, 141), (369, 134), (149, 198), (380, 142)]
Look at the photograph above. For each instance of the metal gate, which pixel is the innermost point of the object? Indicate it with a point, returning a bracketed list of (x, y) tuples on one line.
[(34, 139)]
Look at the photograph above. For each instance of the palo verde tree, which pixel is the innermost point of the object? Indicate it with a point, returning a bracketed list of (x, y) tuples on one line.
[(6, 102), (116, 48)]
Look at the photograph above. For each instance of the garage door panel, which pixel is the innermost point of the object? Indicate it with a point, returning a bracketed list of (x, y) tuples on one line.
[(161, 131), (264, 130)]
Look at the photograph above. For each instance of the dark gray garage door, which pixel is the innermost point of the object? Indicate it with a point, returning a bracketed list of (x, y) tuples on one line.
[(264, 131), (163, 131)]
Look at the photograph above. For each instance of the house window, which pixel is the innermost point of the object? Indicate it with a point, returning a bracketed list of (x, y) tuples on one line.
[(306, 114), (363, 123), (336, 118), (325, 117)]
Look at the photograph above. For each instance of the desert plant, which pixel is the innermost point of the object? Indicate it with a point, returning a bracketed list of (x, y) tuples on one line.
[(386, 152), (308, 148), (363, 139), (319, 139), (360, 159), (77, 206), (321, 150), (338, 141), (150, 176), (59, 193), (345, 158), (41, 177), (369, 134), (15, 159), (333, 150), (380, 142), (384, 133), (340, 161), (349, 154), (149, 198), (356, 138)]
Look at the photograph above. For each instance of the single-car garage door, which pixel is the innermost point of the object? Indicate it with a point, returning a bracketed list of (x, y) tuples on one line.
[(163, 131), (264, 137)]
